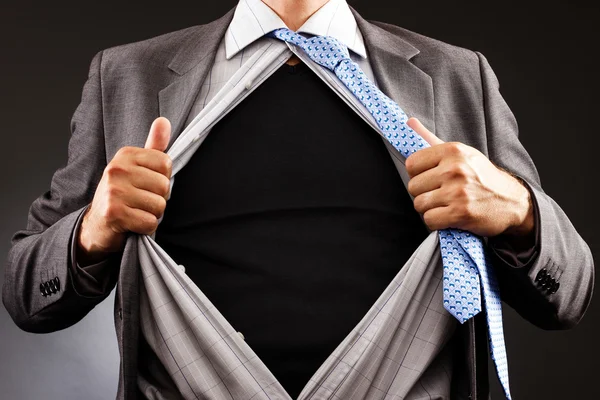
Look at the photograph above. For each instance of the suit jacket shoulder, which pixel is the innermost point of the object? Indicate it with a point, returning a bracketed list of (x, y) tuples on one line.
[(436, 56), (154, 51)]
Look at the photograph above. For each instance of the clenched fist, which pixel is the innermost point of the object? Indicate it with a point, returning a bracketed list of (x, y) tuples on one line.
[(455, 186), (131, 196)]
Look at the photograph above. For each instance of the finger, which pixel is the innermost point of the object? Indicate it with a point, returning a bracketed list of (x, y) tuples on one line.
[(160, 134), (437, 218), (425, 133), (425, 181), (139, 221), (145, 201), (423, 160), (152, 181), (426, 158), (155, 160), (430, 200)]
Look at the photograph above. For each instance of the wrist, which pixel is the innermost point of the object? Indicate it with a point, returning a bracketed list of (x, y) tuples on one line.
[(89, 249), (523, 220)]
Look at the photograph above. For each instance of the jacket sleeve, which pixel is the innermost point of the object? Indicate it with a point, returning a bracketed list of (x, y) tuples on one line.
[(554, 287), (92, 279), (39, 291), (529, 248)]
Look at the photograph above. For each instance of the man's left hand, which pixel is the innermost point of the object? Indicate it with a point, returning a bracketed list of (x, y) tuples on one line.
[(455, 185)]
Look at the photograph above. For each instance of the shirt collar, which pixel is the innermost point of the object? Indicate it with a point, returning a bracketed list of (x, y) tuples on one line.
[(253, 19)]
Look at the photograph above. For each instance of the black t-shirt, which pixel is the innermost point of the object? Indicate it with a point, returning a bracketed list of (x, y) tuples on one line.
[(292, 218)]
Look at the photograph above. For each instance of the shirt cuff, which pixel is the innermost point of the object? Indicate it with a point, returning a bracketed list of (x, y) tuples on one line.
[(524, 257), (94, 279)]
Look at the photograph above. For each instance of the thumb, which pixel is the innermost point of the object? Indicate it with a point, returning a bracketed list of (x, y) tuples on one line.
[(418, 127), (160, 134)]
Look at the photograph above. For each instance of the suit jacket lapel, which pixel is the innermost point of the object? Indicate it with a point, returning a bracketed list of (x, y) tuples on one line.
[(396, 75), (192, 63)]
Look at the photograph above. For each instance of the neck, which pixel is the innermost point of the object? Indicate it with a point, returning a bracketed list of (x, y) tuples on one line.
[(294, 12)]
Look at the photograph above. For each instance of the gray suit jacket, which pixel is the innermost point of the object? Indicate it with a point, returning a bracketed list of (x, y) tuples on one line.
[(453, 91)]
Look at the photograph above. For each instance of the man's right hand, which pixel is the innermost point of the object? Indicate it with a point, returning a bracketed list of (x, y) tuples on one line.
[(131, 196)]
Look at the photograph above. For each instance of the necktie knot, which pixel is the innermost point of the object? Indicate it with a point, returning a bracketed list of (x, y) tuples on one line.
[(324, 50)]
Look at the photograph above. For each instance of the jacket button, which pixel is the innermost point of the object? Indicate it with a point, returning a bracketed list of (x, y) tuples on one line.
[(43, 290), (47, 288), (540, 275), (57, 283)]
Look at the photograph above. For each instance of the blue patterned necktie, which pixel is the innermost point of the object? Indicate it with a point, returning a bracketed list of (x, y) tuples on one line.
[(463, 256)]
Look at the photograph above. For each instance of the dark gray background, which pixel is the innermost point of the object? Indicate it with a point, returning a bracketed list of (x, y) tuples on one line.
[(544, 58)]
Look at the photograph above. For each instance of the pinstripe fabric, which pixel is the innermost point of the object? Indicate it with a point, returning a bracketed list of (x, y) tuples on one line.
[(396, 351)]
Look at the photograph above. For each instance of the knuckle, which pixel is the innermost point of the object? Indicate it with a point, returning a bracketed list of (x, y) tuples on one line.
[(409, 164), (411, 186), (460, 169), (461, 192), (151, 224), (165, 186), (114, 169), (125, 151), (144, 224), (112, 212), (419, 203), (154, 205), (448, 172), (456, 148), (457, 170), (113, 192), (429, 220), (161, 204), (168, 165)]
